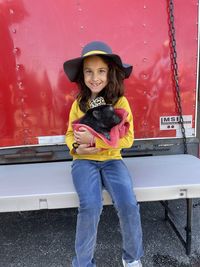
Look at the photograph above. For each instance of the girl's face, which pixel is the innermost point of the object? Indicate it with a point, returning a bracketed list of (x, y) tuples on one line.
[(95, 72)]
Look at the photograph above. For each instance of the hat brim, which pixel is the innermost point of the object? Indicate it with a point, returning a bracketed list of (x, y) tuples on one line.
[(72, 67)]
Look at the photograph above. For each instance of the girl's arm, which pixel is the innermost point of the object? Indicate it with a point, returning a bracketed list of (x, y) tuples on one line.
[(70, 138)]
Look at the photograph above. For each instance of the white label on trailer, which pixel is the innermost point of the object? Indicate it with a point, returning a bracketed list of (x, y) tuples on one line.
[(173, 122), (49, 140), (188, 132)]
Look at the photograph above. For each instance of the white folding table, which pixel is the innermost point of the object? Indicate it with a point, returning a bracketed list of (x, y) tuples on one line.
[(49, 185)]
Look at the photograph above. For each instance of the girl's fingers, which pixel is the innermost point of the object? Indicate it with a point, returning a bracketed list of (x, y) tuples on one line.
[(82, 129), (82, 137)]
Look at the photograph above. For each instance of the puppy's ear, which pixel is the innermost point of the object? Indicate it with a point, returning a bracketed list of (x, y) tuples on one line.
[(96, 114)]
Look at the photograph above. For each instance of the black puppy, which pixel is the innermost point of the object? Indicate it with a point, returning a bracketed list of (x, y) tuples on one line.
[(101, 119)]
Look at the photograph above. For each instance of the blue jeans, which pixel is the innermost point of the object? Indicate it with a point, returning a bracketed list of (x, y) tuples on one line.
[(89, 178)]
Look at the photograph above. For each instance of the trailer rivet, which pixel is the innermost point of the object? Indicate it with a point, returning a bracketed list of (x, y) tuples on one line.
[(145, 7), (145, 76), (16, 50), (145, 59), (144, 24), (11, 11), (14, 30), (17, 67), (20, 85)]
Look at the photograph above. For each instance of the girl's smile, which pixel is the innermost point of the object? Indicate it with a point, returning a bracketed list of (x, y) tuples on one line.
[(95, 72)]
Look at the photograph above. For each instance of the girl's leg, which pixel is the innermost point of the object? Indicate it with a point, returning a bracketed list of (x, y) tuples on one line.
[(87, 182), (118, 183)]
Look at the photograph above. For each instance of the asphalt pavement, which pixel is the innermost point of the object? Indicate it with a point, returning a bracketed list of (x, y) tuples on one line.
[(45, 238)]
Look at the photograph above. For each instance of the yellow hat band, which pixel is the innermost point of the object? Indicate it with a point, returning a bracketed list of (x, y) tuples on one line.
[(94, 52)]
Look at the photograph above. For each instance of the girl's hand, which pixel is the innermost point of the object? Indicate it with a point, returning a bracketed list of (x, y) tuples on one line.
[(86, 149), (83, 136)]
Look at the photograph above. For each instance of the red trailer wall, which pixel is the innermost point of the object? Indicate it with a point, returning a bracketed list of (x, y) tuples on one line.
[(38, 36)]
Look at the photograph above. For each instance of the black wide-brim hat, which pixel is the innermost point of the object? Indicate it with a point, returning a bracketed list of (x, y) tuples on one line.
[(72, 66)]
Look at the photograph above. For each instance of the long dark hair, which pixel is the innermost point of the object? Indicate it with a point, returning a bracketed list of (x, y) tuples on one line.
[(111, 93)]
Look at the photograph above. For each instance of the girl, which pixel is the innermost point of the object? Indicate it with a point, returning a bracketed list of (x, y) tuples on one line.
[(96, 164)]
